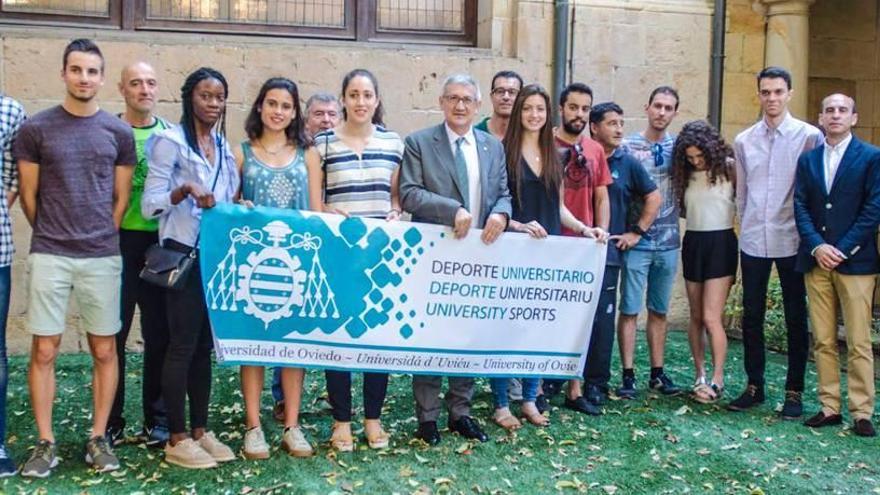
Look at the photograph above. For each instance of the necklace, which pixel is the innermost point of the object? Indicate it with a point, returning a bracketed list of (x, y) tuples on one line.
[(271, 152)]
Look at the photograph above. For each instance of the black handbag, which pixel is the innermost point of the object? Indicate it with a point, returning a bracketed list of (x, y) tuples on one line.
[(170, 268), (167, 268)]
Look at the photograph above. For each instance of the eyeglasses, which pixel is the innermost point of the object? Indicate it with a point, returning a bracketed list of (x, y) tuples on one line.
[(657, 152), (505, 91), (454, 100)]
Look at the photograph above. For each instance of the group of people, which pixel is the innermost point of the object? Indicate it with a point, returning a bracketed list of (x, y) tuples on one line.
[(100, 189)]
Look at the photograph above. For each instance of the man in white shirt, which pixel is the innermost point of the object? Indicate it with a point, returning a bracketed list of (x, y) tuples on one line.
[(766, 159)]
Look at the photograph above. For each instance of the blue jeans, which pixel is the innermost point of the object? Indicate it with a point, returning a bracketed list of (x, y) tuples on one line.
[(499, 390), (654, 270), (4, 375), (277, 393)]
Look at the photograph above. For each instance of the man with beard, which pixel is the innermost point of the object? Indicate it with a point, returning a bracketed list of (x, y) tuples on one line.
[(586, 179), (139, 88), (653, 261), (75, 166), (505, 86)]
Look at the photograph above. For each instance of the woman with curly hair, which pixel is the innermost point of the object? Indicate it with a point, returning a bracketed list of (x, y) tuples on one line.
[(703, 179)]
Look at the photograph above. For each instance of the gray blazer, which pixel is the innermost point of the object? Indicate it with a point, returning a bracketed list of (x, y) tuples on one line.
[(429, 187)]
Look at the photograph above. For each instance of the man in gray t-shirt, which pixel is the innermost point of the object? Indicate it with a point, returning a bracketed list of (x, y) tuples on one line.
[(75, 164)]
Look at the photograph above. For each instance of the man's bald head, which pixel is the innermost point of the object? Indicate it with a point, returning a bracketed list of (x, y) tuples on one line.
[(838, 97), (838, 116), (139, 87)]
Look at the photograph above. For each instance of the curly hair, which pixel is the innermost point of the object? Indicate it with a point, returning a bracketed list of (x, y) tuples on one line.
[(716, 152)]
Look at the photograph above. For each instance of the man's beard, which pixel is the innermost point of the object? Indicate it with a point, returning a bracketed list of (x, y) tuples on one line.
[(570, 128), (82, 99)]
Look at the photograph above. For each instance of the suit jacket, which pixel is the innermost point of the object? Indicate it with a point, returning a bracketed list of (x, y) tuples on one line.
[(429, 187), (848, 216)]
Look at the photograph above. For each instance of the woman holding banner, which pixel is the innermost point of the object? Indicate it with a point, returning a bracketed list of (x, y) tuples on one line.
[(191, 168), (704, 179), (273, 173), (535, 179), (353, 171)]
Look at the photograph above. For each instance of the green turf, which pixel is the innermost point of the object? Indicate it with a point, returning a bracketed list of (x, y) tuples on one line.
[(652, 445)]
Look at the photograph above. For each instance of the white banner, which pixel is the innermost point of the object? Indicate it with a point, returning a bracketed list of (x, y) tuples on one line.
[(295, 288)]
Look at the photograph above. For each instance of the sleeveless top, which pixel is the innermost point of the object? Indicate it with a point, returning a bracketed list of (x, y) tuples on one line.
[(360, 185), (277, 187), (708, 207), (535, 203)]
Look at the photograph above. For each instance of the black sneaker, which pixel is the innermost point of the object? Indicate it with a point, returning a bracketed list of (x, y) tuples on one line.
[(663, 384), (751, 396), (627, 389), (7, 467), (595, 395), (156, 436), (582, 405), (541, 403), (115, 434), (793, 407)]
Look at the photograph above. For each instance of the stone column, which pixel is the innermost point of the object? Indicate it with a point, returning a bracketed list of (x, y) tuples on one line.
[(788, 45)]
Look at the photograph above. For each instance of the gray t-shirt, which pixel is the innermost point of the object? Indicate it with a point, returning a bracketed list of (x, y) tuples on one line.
[(77, 157)]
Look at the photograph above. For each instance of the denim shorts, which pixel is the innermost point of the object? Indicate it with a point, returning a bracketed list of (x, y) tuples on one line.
[(654, 269)]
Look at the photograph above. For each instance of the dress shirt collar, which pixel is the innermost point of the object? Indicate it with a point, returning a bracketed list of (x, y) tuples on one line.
[(787, 125), (840, 147), (453, 136)]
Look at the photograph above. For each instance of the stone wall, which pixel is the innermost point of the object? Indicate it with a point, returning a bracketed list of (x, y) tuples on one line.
[(845, 57), (622, 48), (744, 58)]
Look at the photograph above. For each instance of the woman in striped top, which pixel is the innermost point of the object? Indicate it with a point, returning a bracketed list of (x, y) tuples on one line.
[(353, 171)]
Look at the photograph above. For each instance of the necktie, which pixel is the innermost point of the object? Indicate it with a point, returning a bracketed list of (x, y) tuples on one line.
[(461, 171)]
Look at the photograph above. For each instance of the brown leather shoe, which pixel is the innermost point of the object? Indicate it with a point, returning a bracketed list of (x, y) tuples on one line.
[(278, 411), (864, 428), (820, 419)]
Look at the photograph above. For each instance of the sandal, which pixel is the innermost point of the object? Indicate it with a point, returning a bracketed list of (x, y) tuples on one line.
[(506, 420), (708, 393), (377, 438), (341, 439), (533, 416)]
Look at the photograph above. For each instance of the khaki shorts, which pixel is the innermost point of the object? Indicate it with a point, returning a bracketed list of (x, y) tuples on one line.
[(96, 284)]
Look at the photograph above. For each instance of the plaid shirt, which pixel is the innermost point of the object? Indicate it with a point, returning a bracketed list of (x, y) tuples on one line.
[(12, 116)]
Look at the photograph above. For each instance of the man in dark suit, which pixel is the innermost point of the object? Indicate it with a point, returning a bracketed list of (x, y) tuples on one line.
[(837, 210), (454, 175)]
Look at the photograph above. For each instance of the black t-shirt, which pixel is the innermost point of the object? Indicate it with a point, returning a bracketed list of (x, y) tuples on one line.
[(631, 184)]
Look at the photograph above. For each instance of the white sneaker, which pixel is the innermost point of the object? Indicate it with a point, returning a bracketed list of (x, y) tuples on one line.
[(255, 446), (187, 453), (217, 449), (294, 442)]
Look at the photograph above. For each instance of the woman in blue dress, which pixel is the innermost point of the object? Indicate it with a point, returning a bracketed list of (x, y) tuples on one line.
[(272, 166)]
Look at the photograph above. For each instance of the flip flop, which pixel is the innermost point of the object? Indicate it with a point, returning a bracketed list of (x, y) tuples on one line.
[(508, 422)]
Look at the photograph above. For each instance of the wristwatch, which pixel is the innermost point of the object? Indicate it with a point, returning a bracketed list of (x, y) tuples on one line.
[(635, 229)]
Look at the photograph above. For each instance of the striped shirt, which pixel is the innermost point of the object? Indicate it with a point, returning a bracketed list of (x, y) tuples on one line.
[(360, 185)]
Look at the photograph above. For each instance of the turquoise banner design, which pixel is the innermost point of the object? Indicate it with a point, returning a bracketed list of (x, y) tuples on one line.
[(296, 288)]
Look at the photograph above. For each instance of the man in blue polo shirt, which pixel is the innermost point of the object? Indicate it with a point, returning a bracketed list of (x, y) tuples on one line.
[(632, 186)]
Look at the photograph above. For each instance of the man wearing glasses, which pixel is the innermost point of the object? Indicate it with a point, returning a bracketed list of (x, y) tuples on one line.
[(440, 184), (650, 257), (587, 178), (505, 86)]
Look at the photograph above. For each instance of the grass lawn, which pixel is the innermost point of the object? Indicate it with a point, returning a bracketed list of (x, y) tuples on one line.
[(652, 445)]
